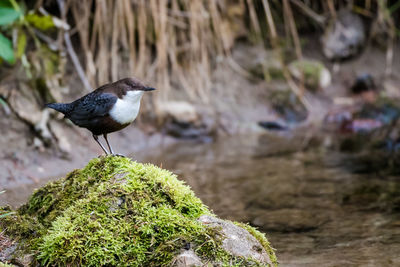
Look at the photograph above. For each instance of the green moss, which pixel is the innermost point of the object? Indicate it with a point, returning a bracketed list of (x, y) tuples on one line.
[(6, 265), (309, 71), (116, 212)]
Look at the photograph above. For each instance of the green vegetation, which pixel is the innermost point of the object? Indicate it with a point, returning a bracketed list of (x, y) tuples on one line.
[(6, 265), (13, 18), (117, 212)]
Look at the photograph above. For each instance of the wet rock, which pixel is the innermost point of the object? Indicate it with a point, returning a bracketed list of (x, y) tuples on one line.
[(272, 125), (364, 82), (313, 74), (287, 105), (127, 213), (236, 240), (344, 37), (182, 120), (366, 117)]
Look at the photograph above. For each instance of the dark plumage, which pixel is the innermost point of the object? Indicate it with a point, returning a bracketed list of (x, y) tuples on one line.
[(107, 109)]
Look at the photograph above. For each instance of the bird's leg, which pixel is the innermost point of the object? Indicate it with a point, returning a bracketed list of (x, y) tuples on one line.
[(109, 147), (96, 138), (108, 144)]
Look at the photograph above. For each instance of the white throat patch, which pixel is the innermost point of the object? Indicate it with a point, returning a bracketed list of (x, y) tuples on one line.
[(126, 109)]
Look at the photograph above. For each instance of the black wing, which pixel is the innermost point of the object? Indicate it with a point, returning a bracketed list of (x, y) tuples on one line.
[(88, 109)]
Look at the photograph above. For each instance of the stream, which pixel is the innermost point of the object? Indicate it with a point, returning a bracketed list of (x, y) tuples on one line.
[(304, 201), (315, 209)]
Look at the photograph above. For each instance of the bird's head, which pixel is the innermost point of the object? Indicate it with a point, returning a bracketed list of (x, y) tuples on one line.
[(133, 89), (134, 84)]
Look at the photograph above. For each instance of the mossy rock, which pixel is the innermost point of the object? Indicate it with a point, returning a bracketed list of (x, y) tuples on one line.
[(312, 73), (288, 105), (117, 212)]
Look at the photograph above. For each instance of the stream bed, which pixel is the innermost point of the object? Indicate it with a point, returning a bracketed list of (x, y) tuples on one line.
[(314, 207), (315, 210)]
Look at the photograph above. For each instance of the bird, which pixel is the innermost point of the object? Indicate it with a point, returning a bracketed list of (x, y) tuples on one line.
[(107, 109)]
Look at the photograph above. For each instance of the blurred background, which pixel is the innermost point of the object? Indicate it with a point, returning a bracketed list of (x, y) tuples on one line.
[(283, 114)]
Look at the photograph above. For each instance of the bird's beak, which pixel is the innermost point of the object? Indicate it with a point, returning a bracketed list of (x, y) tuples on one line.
[(149, 89)]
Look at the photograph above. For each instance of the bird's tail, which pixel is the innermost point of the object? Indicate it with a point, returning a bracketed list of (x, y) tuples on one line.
[(60, 107)]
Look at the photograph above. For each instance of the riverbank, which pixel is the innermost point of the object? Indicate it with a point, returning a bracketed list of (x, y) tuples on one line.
[(27, 161)]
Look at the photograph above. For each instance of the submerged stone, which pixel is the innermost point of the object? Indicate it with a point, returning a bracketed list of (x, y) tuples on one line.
[(117, 212)]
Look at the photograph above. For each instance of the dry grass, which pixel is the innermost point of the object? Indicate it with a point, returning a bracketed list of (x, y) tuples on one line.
[(175, 44), (166, 42)]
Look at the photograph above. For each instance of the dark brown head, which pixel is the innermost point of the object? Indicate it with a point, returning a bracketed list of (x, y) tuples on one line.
[(133, 84), (121, 87)]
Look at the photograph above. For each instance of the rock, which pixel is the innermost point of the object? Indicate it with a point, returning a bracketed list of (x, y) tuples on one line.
[(344, 37), (312, 73), (391, 88), (364, 82), (41, 126), (62, 140), (188, 259), (118, 212), (182, 120), (261, 63), (182, 112), (236, 240), (273, 125), (7, 248), (287, 105), (22, 101)]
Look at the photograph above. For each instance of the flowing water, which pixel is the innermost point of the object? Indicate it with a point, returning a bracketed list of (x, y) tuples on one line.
[(315, 210)]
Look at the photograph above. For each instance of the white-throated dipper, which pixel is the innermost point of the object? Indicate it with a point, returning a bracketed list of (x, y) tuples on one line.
[(107, 109)]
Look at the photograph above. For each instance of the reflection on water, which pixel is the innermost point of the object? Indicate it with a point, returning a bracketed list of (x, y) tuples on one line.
[(295, 197)]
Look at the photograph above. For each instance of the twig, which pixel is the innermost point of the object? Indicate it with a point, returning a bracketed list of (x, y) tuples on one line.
[(236, 67), (296, 90), (292, 27), (71, 51), (309, 12), (253, 18), (270, 22), (389, 58), (331, 7)]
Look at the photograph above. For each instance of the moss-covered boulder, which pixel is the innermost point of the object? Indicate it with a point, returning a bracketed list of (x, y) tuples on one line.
[(313, 74), (117, 212)]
